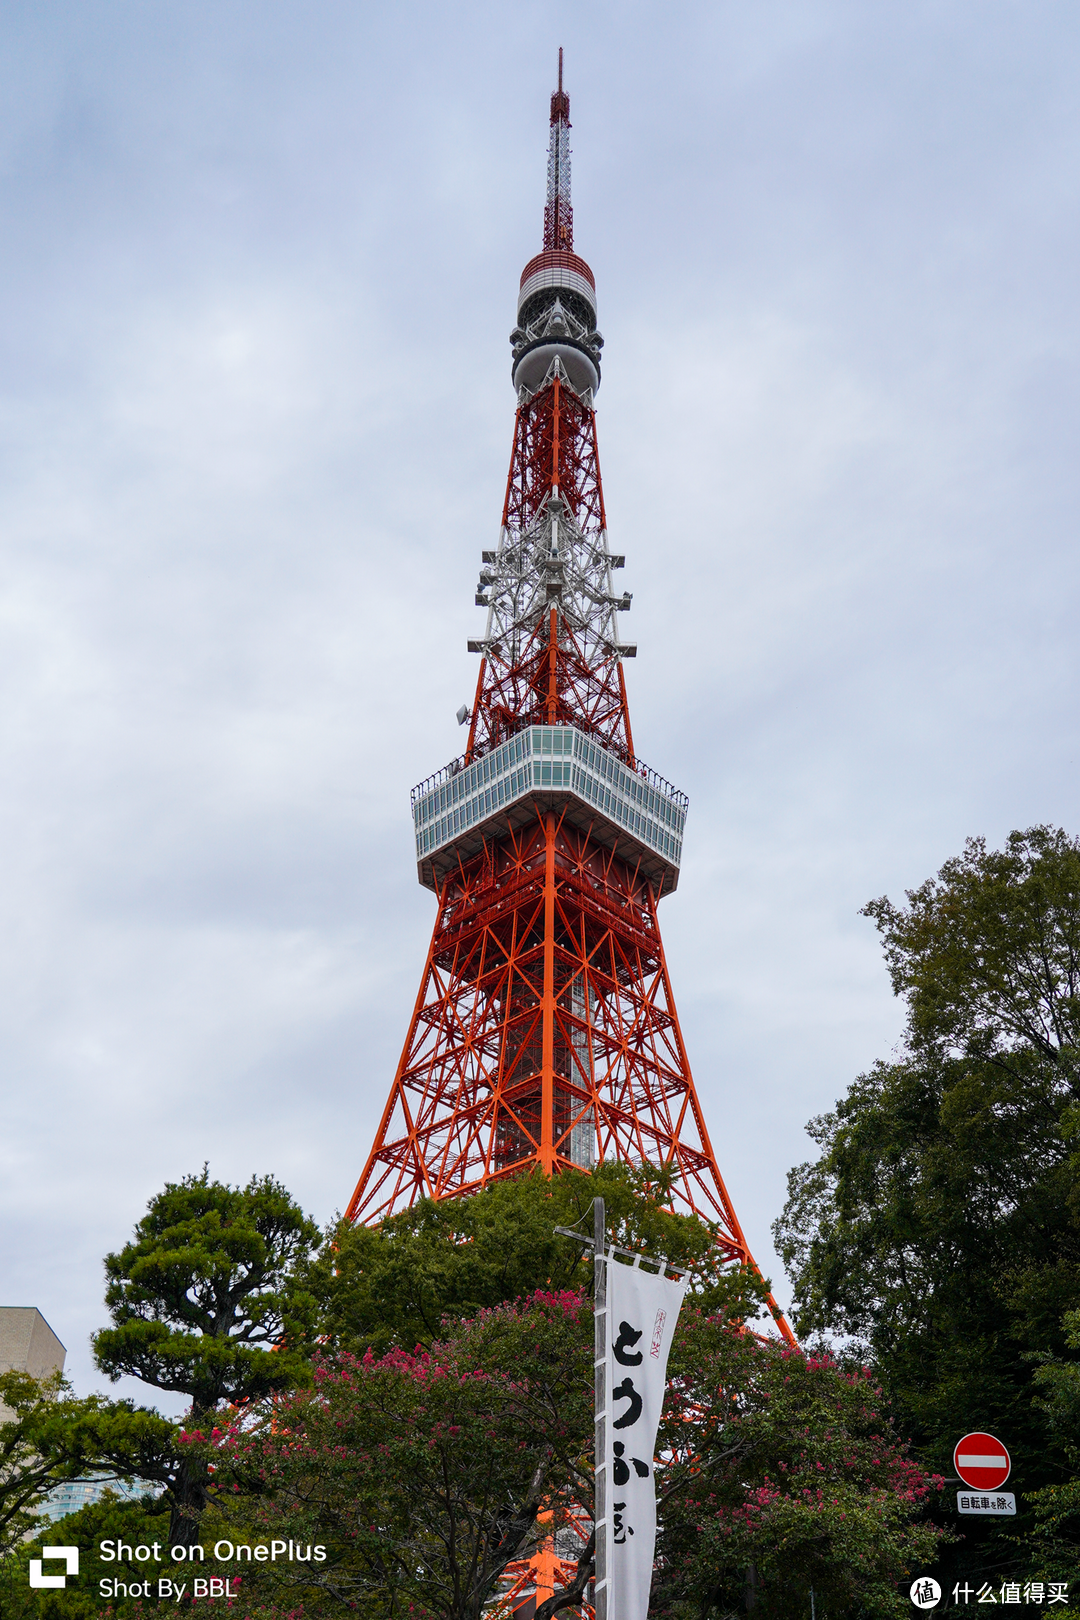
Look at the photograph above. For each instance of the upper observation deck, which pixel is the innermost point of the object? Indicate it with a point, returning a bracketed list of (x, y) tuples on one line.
[(635, 813)]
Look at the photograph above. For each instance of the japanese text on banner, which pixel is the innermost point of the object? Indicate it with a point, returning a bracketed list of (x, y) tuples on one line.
[(642, 1311)]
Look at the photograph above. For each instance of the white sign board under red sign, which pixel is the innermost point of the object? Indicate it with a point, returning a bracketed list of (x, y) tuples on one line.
[(995, 1502)]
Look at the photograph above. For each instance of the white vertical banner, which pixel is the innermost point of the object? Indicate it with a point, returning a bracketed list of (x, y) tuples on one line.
[(642, 1309)]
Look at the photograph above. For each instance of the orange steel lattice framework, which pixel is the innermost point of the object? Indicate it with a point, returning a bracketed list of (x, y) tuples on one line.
[(545, 1031)]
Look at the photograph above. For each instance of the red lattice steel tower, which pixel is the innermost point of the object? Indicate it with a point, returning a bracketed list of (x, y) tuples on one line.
[(545, 1030)]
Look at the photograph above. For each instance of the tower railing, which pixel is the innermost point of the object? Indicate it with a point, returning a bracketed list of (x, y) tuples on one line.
[(547, 759)]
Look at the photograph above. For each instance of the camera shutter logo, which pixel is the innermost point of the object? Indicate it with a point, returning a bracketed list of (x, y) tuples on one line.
[(70, 1555)]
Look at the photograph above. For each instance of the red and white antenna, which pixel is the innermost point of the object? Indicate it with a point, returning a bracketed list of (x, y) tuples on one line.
[(558, 212)]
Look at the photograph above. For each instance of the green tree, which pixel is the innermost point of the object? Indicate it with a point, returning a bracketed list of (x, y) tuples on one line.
[(136, 1522), (940, 1228), (393, 1285), (1057, 1506), (205, 1302), (782, 1474), (26, 1477), (424, 1475), (130, 1442)]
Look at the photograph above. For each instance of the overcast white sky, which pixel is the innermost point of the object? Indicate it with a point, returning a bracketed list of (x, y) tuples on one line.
[(259, 267)]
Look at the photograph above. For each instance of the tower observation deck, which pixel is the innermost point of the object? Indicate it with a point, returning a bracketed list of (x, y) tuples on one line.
[(545, 1032)]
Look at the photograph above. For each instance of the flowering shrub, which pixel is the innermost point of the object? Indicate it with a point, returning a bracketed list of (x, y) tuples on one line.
[(423, 1473), (426, 1473), (782, 1473)]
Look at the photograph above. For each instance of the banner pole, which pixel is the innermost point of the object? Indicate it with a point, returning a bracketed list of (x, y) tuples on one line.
[(600, 1504)]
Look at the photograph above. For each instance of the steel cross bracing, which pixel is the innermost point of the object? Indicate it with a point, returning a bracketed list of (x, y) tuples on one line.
[(544, 1034), (540, 667), (553, 540)]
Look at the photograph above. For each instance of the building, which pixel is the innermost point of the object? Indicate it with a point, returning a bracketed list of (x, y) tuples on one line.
[(74, 1494), (27, 1344)]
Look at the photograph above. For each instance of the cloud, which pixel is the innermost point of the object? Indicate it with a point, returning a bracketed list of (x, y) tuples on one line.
[(254, 423)]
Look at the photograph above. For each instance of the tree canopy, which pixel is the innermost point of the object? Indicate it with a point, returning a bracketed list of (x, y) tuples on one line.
[(132, 1520), (418, 1400), (26, 1476), (1057, 1506), (205, 1302), (782, 1474), (987, 955), (394, 1284), (424, 1475), (939, 1230)]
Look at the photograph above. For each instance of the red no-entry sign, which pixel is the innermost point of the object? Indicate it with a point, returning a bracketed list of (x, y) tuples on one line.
[(982, 1462)]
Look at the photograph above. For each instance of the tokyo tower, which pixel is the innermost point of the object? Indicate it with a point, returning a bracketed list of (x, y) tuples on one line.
[(545, 1032)]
